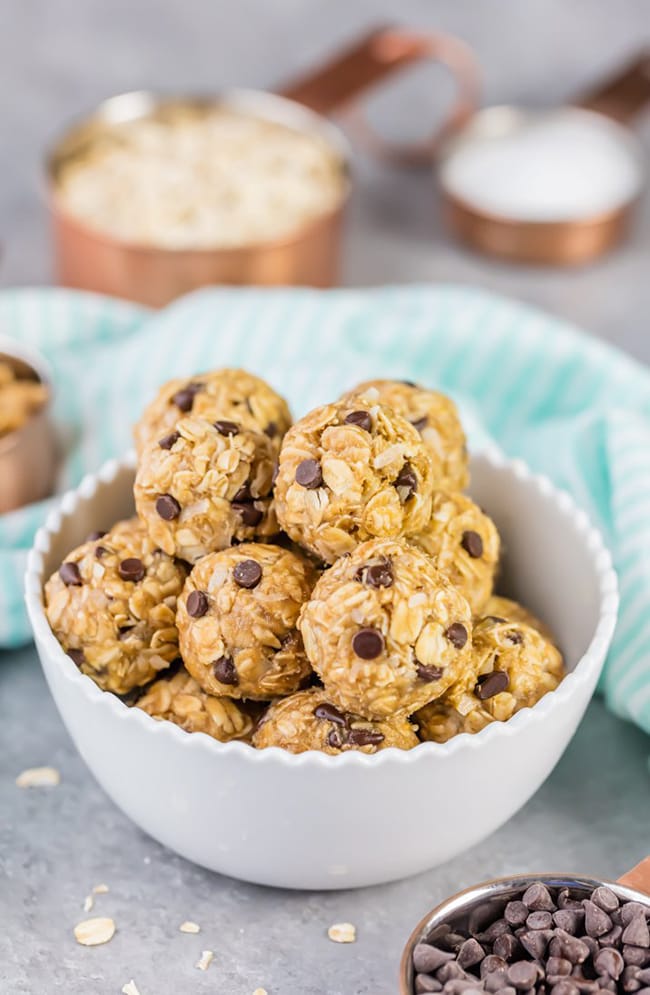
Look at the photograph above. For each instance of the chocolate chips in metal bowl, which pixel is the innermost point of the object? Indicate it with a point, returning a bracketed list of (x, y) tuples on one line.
[(555, 935)]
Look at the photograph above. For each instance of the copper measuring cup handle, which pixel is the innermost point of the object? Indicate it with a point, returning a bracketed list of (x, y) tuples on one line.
[(623, 95), (638, 877), (339, 82)]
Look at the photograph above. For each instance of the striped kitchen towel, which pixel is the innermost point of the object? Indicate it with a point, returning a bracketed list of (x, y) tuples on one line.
[(569, 405)]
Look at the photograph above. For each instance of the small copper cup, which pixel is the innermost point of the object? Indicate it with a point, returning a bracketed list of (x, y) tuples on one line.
[(94, 260), (28, 456), (633, 886)]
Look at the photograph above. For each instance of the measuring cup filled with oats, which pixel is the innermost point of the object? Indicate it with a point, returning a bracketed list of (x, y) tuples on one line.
[(153, 196)]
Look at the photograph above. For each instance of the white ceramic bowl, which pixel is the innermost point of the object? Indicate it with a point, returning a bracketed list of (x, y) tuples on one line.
[(315, 821)]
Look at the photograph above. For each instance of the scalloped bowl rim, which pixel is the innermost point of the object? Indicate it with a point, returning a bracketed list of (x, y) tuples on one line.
[(581, 673)]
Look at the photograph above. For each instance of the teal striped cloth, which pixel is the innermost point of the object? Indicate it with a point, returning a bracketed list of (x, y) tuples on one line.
[(569, 405)]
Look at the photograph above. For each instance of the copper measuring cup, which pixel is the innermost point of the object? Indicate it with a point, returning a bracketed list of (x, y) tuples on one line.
[(632, 886), (563, 241), (94, 260)]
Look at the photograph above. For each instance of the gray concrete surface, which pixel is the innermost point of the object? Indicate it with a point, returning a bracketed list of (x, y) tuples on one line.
[(59, 57)]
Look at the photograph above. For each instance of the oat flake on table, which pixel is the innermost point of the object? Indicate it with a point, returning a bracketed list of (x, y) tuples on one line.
[(206, 959), (189, 927), (130, 988), (39, 777), (93, 932), (342, 932)]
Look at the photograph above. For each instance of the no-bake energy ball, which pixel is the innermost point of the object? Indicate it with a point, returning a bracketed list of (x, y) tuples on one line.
[(352, 471), (386, 631), (464, 543), (514, 666), (232, 395), (237, 621), (309, 721), (180, 700), (435, 417), (205, 485), (112, 606)]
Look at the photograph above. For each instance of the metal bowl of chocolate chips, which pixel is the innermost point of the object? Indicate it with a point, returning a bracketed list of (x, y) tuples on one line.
[(538, 934)]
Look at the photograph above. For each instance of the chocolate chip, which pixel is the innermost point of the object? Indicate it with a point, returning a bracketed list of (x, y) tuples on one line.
[(94, 536), (557, 967), (536, 941), (69, 574), (360, 418), (597, 922), (225, 671), (420, 423), (451, 971), (428, 959), (406, 482), (168, 441), (376, 574), (197, 604), (605, 899), (497, 928), (636, 933), (565, 987), (630, 910), (636, 955), (368, 643), (243, 494), (515, 637), (565, 901), (247, 573), (250, 515), (224, 427), (470, 953), (490, 684), (330, 713), (522, 975), (428, 674), (77, 657), (569, 919), (271, 430), (456, 633), (506, 946), (365, 737), (335, 739), (309, 475), (424, 983), (609, 962), (611, 939), (472, 544), (515, 913), (131, 569), (569, 947), (100, 551), (491, 964), (184, 398), (540, 920), (167, 507)]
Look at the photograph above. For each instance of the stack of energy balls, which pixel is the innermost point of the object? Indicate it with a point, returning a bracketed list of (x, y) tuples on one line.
[(325, 585)]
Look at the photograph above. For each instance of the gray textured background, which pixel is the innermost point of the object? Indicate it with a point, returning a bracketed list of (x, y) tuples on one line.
[(56, 59)]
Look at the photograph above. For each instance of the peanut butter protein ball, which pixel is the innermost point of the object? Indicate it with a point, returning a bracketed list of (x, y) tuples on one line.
[(352, 471), (385, 631), (180, 700), (464, 543), (309, 721), (435, 417), (231, 395), (205, 485), (237, 621), (112, 606), (513, 667)]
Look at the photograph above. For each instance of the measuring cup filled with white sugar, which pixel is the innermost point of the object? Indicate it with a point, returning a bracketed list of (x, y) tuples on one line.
[(552, 186)]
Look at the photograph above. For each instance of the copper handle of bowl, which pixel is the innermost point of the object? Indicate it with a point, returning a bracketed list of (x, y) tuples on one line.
[(338, 84), (623, 95), (638, 877)]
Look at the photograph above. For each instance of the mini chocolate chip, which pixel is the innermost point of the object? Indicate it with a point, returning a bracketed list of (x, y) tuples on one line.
[(470, 953), (368, 643), (197, 604), (630, 910), (522, 974), (360, 418), (605, 899), (515, 913), (408, 383), (456, 633), (472, 544), (407, 481), (69, 574), (490, 684), (497, 981), (167, 507), (491, 964), (168, 441), (609, 962), (535, 941), (428, 674), (131, 569), (250, 515), (636, 955), (271, 430), (225, 671), (569, 919), (243, 494), (557, 967), (597, 922), (334, 739), (420, 423), (515, 637), (77, 657), (330, 713), (636, 932), (451, 971), (309, 475), (247, 573), (94, 536), (184, 398), (565, 987), (100, 551), (565, 901), (365, 737), (427, 959), (540, 920), (611, 939), (506, 946), (225, 427), (497, 928), (569, 947), (424, 983), (376, 575)]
